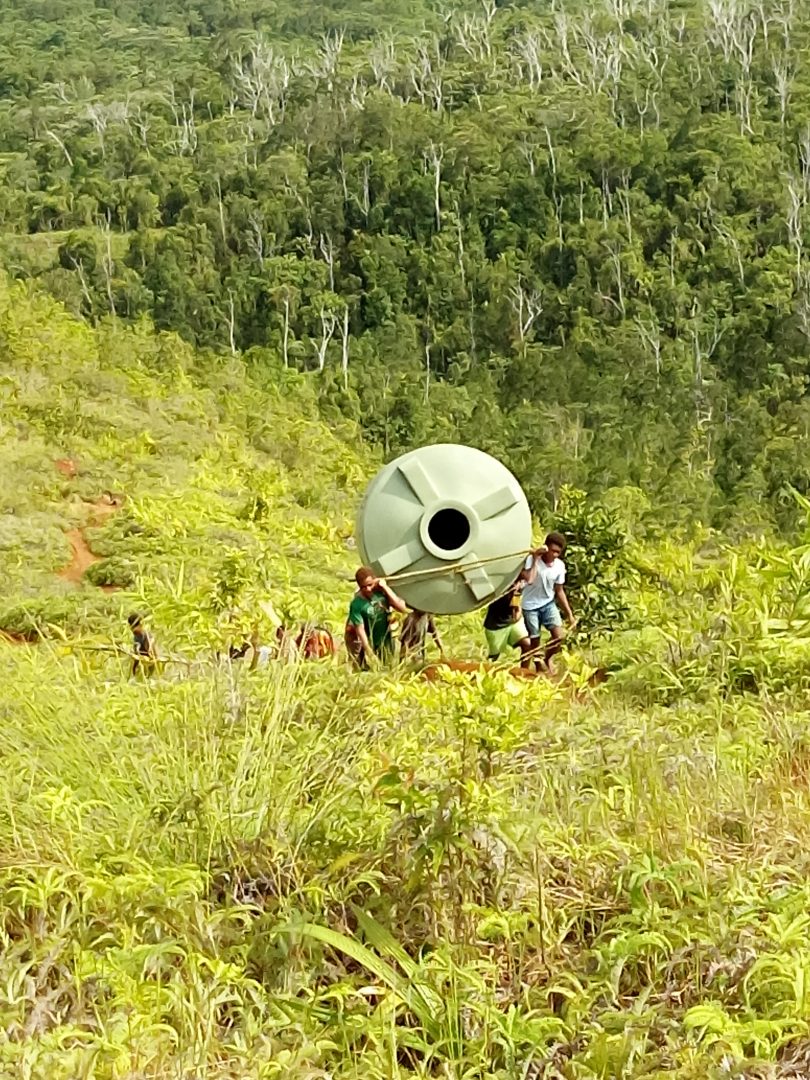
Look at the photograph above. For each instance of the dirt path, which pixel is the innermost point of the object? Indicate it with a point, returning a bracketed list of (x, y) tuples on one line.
[(10, 637), (82, 559)]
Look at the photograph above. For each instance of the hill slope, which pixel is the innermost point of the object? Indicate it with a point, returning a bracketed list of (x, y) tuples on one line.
[(302, 872), (178, 471), (577, 239)]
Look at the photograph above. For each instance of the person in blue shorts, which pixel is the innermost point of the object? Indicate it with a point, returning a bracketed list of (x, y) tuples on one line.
[(544, 598)]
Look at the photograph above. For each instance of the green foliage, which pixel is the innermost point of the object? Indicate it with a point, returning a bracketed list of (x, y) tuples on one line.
[(577, 241), (600, 574), (117, 573), (573, 237), (161, 451), (460, 876), (301, 869)]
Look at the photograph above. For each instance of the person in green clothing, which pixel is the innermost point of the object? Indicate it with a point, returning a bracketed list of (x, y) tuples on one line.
[(504, 627), (367, 627)]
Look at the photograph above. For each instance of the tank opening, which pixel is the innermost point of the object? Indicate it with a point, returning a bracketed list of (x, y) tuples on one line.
[(449, 529)]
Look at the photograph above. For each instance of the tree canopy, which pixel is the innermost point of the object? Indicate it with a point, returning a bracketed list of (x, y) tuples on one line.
[(571, 235)]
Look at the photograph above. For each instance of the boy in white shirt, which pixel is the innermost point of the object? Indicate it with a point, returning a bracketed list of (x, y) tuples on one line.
[(544, 595)]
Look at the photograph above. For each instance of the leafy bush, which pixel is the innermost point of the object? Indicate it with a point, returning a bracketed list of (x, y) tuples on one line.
[(52, 614), (601, 575), (115, 572)]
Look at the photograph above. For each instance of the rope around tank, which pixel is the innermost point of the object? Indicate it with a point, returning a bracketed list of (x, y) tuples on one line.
[(455, 568)]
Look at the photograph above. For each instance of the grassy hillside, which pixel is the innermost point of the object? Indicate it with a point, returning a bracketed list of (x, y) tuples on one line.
[(302, 872), (177, 469)]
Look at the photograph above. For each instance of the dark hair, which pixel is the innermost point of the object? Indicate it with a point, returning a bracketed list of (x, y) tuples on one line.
[(558, 540), (364, 572), (134, 618)]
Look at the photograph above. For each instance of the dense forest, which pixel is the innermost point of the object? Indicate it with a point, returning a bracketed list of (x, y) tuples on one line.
[(300, 871), (249, 249), (572, 235)]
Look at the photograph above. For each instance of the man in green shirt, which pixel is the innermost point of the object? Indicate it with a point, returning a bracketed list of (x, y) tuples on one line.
[(367, 627)]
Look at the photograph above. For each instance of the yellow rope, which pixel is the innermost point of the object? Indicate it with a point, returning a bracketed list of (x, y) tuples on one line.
[(456, 568)]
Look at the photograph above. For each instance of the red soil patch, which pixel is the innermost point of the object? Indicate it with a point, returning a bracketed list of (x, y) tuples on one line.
[(66, 466), (83, 558), (433, 671)]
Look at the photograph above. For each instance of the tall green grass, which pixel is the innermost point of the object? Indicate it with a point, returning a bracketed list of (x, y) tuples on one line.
[(304, 872)]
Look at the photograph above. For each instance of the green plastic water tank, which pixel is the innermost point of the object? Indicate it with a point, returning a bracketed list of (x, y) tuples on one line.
[(433, 516)]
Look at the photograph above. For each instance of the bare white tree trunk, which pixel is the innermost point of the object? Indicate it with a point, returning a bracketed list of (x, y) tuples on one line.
[(328, 324), (526, 306), (221, 209), (61, 145), (783, 78), (615, 260), (97, 115), (344, 357), (107, 264), (530, 49), (231, 322), (797, 196), (435, 159), (78, 266), (285, 341), (328, 252), (255, 237)]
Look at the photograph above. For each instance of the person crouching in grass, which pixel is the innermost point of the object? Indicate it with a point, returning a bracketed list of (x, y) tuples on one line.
[(368, 629), (544, 596), (413, 635), (504, 627)]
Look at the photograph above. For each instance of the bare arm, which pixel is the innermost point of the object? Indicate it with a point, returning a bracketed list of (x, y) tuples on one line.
[(359, 632), (396, 602), (362, 637), (562, 602), (529, 575)]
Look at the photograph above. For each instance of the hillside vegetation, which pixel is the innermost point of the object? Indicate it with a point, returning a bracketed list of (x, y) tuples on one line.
[(175, 468), (249, 251), (573, 235), (304, 872)]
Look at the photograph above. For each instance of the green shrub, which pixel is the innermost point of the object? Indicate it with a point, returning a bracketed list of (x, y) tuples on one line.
[(114, 571), (600, 573)]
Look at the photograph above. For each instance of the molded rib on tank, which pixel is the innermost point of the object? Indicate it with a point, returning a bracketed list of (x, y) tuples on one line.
[(450, 522)]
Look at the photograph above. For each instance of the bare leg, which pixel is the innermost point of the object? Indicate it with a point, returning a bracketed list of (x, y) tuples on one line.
[(357, 654), (525, 647), (534, 655), (554, 646)]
